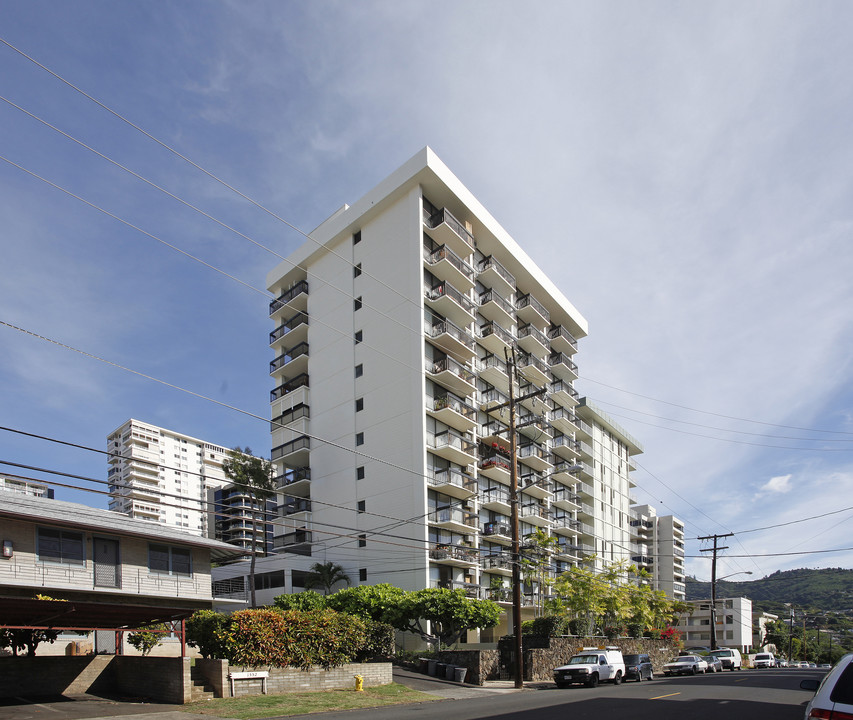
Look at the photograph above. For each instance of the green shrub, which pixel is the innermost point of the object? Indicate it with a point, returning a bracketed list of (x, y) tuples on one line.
[(307, 600), (378, 642), (546, 626), (203, 629), (292, 638)]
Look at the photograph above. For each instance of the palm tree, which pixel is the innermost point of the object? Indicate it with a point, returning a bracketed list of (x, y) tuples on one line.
[(325, 575)]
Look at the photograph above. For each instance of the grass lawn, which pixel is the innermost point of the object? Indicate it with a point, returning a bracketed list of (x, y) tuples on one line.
[(260, 706)]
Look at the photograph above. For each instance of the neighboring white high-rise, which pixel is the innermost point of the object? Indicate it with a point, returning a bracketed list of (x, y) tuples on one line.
[(390, 442), (167, 477), (27, 487), (660, 549)]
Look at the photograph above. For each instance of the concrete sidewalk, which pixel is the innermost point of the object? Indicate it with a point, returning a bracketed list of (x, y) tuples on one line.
[(451, 690)]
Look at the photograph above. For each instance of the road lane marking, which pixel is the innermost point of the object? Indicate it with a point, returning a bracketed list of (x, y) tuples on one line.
[(665, 696)]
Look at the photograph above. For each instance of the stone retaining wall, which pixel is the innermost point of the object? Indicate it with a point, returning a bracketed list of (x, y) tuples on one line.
[(288, 680)]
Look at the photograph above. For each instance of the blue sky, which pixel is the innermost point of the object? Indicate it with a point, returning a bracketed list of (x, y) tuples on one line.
[(681, 171)]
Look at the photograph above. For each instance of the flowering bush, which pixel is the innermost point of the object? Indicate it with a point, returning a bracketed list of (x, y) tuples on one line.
[(671, 634)]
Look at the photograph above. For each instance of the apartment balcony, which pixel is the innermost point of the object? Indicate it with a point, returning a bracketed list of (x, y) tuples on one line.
[(584, 448), (534, 369), (586, 529), (295, 481), (563, 394), (454, 555), (493, 402), (643, 561), (536, 486), (498, 532), (294, 330), (563, 367), (145, 512), (532, 340), (295, 298), (585, 489), (565, 472), (496, 499), (293, 360), (454, 520), (562, 340), (584, 428), (494, 307), (497, 564), (535, 457), (452, 375), (567, 551), (586, 470), (447, 230), (452, 339), (290, 416), (297, 542), (445, 264), (446, 300), (536, 514), (471, 590), (295, 453), (453, 411), (586, 509), (454, 483), (565, 421), (534, 427), (530, 310), (566, 499), (495, 467), (454, 447), (494, 275), (138, 491), (565, 524), (495, 434), (289, 386), (494, 338), (295, 506), (564, 448), (494, 371)]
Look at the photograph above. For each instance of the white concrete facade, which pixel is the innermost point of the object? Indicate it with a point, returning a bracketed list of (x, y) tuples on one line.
[(659, 542), (391, 327), (734, 624), (27, 487), (166, 477)]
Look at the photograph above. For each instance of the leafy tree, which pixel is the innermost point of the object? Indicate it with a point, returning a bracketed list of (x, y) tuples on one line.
[(308, 600), (383, 603), (536, 560), (253, 476), (449, 612), (17, 639), (147, 639), (324, 576), (203, 632)]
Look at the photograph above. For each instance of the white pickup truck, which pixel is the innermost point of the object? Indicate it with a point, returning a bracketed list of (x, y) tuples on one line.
[(590, 666)]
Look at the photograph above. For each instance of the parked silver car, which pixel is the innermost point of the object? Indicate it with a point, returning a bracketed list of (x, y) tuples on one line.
[(834, 695)]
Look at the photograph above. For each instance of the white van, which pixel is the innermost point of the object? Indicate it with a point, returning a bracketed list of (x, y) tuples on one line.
[(764, 660), (592, 665), (730, 658)]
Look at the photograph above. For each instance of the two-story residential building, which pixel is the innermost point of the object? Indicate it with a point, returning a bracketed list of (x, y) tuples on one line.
[(113, 572)]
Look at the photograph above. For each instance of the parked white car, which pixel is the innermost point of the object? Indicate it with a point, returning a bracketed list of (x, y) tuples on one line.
[(730, 657), (591, 666), (686, 665), (834, 695)]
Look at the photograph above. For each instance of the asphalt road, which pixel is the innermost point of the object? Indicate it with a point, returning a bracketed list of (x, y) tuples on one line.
[(745, 695)]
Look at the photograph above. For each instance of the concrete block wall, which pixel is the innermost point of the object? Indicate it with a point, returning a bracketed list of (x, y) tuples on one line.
[(163, 679), (288, 680), (34, 676)]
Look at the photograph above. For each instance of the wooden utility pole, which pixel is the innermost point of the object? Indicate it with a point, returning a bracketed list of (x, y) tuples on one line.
[(714, 582)]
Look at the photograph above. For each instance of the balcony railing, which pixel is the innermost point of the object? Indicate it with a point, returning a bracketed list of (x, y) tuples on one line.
[(451, 476), (288, 295), (454, 440), (490, 263), (448, 364), (289, 356), (523, 301), (443, 551), (535, 510), (495, 460), (445, 289), (446, 327), (493, 328), (289, 416), (566, 495), (471, 590), (292, 475), (492, 296), (453, 515), (558, 331), (298, 537), (301, 443), (289, 386), (449, 400), (288, 326), (493, 395), (528, 360), (559, 386), (498, 494), (492, 361), (559, 358), (444, 216), (497, 528), (533, 332), (445, 253), (497, 562), (531, 450), (291, 507)]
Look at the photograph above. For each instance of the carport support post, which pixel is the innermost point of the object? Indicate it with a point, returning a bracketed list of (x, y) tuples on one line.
[(119, 642), (183, 638)]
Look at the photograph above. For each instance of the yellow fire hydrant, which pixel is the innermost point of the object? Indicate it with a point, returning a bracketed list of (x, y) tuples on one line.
[(359, 683)]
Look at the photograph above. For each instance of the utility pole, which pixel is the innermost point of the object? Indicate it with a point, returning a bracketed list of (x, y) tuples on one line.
[(714, 582), (513, 499), (791, 634)]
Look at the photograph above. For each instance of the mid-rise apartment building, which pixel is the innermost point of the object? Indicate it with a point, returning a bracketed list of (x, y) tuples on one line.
[(659, 545), (393, 325), (27, 487), (733, 624), (175, 479)]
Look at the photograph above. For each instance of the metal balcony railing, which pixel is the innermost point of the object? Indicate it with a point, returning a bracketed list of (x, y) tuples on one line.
[(445, 253), (446, 327), (288, 326), (288, 295), (445, 289), (289, 386), (289, 356), (451, 401), (433, 220), (492, 328), (492, 296), (558, 331), (523, 301), (448, 364), (451, 476), (490, 263)]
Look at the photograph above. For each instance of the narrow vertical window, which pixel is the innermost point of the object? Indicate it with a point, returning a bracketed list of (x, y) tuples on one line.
[(356, 237), (359, 438), (362, 540), (362, 575), (359, 472), (361, 506), (359, 370), (359, 336), (359, 404), (356, 271), (357, 303)]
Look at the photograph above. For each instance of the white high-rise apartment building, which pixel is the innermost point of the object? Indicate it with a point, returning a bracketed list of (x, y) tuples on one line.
[(26, 487), (389, 418), (164, 476), (660, 549)]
